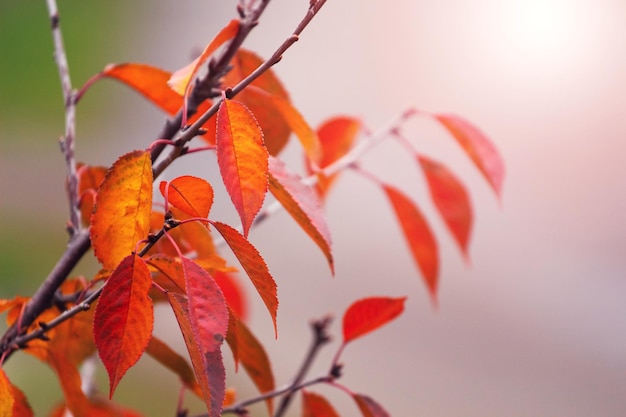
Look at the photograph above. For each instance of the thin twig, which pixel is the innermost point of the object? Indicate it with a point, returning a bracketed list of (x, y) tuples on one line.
[(67, 141)]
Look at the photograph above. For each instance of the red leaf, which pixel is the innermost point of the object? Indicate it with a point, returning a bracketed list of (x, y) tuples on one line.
[(208, 366), (248, 350), (21, 407), (89, 180), (181, 79), (451, 200), (368, 314), (302, 204), (192, 195), (174, 362), (336, 136), (121, 217), (242, 159), (233, 293), (478, 147), (418, 235), (124, 317), (254, 265), (207, 307), (369, 407), (6, 395), (314, 405)]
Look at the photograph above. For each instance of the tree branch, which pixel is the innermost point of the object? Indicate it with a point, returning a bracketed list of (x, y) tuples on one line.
[(67, 141)]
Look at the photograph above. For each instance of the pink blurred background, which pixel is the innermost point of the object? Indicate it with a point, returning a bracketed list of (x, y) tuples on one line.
[(536, 326)]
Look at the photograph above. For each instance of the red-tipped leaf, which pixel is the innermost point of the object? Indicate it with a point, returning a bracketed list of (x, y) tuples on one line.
[(123, 319), (302, 203), (369, 314), (243, 159), (451, 200), (418, 236)]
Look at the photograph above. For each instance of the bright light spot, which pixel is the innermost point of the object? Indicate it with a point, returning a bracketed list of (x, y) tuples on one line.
[(539, 28)]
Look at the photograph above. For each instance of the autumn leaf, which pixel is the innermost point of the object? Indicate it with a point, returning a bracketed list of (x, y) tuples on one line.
[(21, 407), (248, 350), (369, 407), (243, 64), (207, 307), (254, 265), (191, 195), (174, 362), (368, 314), (478, 147), (418, 235), (89, 180), (180, 81), (121, 217), (451, 200), (208, 365), (233, 292), (171, 276), (307, 136), (242, 159), (337, 136), (302, 203), (124, 317), (314, 405), (7, 398), (70, 380)]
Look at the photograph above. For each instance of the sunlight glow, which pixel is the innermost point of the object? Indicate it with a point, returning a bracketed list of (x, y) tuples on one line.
[(541, 27)]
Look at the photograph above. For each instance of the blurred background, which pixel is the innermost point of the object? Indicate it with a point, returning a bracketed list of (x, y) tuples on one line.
[(535, 326)]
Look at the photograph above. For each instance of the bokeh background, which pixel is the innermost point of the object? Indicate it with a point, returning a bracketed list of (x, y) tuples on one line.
[(535, 326)]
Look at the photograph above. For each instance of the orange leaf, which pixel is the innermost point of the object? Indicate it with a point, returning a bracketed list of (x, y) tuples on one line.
[(369, 407), (192, 195), (368, 314), (21, 407), (149, 81), (418, 235), (307, 136), (275, 129), (451, 200), (171, 277), (174, 362), (121, 217), (336, 136), (254, 265), (314, 405), (302, 204), (478, 147), (7, 398), (207, 307), (208, 366), (180, 81), (242, 159), (247, 349), (244, 63), (89, 180), (234, 294), (69, 378), (124, 317)]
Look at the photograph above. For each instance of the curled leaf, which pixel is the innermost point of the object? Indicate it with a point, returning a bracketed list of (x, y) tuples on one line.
[(121, 217), (368, 314)]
